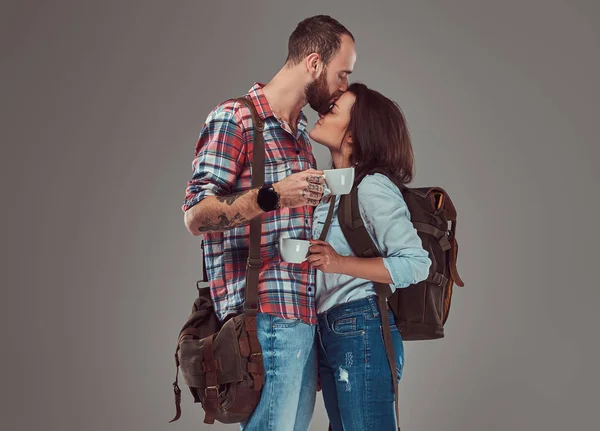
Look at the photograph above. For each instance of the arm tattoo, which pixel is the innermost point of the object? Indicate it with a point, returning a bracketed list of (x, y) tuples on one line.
[(224, 223), (230, 199)]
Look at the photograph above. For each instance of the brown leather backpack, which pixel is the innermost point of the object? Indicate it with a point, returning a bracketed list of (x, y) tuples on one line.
[(222, 362), (421, 309)]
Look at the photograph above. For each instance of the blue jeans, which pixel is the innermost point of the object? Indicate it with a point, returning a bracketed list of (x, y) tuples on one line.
[(355, 374), (288, 397)]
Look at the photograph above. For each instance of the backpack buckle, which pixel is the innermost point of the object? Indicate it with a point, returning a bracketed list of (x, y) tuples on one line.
[(255, 262), (215, 389), (438, 278)]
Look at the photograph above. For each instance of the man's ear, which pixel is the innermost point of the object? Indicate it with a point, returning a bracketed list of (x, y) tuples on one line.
[(314, 64)]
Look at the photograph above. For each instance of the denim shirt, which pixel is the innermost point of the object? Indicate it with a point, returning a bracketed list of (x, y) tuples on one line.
[(387, 220)]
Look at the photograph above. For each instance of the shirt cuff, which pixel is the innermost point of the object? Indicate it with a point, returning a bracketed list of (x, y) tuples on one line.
[(197, 197), (396, 266)]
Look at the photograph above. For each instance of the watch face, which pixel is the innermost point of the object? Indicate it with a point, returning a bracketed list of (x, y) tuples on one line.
[(267, 198)]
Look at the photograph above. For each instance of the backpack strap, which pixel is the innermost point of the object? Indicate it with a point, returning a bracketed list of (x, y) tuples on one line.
[(362, 245), (328, 220), (432, 230), (448, 207), (454, 255)]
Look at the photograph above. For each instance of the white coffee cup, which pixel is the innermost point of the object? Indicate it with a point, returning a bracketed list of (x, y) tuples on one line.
[(293, 250), (339, 181)]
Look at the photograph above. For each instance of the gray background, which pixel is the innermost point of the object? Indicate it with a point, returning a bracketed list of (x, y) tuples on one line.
[(102, 103)]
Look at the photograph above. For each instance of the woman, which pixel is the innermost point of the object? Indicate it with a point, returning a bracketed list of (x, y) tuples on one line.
[(366, 130)]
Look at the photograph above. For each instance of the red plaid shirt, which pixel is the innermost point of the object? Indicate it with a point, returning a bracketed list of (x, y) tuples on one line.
[(222, 167)]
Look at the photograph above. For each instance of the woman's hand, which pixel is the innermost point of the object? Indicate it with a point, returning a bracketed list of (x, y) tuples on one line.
[(324, 258)]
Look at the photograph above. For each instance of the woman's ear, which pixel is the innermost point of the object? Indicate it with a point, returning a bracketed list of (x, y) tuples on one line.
[(347, 144), (349, 138)]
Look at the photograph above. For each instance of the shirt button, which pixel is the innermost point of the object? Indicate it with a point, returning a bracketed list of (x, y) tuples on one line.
[(297, 151), (306, 221), (309, 289)]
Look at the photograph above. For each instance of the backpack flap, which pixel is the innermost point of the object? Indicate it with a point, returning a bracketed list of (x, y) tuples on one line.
[(213, 360)]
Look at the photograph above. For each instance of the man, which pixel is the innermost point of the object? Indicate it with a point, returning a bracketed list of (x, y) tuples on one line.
[(220, 204)]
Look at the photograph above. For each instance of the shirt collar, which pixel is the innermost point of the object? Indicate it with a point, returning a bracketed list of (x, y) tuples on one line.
[(257, 95)]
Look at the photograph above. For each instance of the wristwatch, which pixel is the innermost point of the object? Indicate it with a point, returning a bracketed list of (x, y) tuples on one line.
[(268, 198)]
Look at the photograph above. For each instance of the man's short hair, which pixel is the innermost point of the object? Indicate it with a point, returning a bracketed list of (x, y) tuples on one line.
[(320, 34)]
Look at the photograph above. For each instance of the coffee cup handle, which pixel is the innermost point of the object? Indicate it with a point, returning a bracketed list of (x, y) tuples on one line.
[(307, 254)]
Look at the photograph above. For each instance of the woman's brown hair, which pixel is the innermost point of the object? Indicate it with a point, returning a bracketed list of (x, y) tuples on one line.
[(380, 138)]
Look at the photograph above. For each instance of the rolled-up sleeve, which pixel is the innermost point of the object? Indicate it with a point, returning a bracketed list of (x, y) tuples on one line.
[(219, 156), (387, 219)]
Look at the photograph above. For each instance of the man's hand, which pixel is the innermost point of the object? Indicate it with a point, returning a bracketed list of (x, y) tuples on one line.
[(300, 189)]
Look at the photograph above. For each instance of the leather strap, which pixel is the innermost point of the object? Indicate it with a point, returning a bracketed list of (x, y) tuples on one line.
[(177, 390), (255, 262), (437, 278), (328, 220), (349, 217), (210, 401), (255, 364), (204, 275), (454, 256), (208, 366), (383, 292), (439, 234), (361, 243)]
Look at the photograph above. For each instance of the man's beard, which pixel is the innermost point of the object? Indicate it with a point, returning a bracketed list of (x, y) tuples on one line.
[(317, 94)]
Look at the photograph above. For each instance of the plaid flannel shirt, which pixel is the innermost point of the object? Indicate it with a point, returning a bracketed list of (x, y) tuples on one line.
[(222, 167)]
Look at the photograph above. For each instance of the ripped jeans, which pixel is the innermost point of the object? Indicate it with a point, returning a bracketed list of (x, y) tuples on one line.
[(354, 370)]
